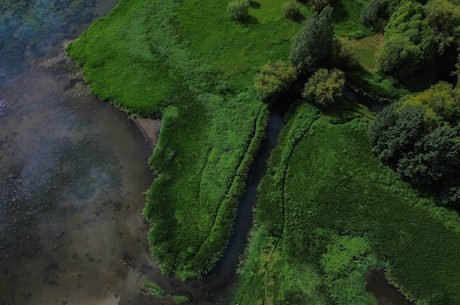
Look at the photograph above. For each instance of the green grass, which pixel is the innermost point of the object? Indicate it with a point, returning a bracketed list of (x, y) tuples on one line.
[(236, 49), (343, 213), (364, 50), (119, 63), (347, 18)]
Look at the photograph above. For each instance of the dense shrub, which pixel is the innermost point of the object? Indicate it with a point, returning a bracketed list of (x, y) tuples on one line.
[(441, 103), (434, 160), (274, 78), (314, 42), (292, 10), (238, 9), (395, 132), (324, 87), (410, 42), (372, 14)]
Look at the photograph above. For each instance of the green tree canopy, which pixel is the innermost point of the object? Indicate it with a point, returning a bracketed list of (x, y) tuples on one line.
[(441, 103), (274, 78), (395, 132), (324, 87), (434, 160), (314, 41), (409, 41)]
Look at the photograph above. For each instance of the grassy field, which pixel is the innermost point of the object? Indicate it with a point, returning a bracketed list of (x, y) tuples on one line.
[(340, 212)]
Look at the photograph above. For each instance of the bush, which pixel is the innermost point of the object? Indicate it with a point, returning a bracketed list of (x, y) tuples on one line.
[(292, 10), (274, 78), (238, 9), (324, 87)]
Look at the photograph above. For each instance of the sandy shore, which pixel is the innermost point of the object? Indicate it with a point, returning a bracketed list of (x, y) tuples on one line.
[(150, 128)]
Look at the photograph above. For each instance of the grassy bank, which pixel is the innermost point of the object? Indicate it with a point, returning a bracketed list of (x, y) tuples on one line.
[(343, 213)]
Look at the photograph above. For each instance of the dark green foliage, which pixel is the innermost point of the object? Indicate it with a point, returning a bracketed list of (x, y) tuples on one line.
[(292, 10), (434, 160), (274, 78), (325, 87), (373, 14), (318, 5), (409, 43), (443, 16), (395, 132), (451, 197), (238, 9), (314, 41)]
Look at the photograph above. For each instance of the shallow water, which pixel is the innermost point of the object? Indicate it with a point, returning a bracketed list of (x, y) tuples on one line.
[(383, 292), (72, 171)]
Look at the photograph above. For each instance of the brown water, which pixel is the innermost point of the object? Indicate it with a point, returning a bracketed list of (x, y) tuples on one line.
[(72, 173)]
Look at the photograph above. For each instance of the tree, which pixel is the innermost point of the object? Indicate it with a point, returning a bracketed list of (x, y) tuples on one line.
[(238, 9), (443, 16), (314, 41), (435, 159), (409, 41), (324, 87), (274, 78), (441, 103), (395, 132)]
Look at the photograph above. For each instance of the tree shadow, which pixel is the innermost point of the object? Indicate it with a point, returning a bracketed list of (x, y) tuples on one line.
[(340, 13), (254, 4), (249, 20)]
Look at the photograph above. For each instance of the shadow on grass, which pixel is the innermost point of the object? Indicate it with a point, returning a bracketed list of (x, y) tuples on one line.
[(254, 4), (340, 12), (249, 20)]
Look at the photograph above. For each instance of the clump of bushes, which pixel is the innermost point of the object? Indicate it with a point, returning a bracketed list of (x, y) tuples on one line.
[(292, 10), (324, 87), (274, 78), (238, 10), (423, 151)]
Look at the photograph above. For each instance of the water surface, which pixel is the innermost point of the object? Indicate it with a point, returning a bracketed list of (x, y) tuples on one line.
[(72, 170)]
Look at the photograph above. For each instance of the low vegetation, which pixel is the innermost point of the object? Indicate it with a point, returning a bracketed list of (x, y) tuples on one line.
[(328, 211)]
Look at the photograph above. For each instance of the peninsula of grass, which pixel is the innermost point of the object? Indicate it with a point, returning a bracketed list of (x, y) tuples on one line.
[(328, 211), (188, 63)]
